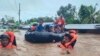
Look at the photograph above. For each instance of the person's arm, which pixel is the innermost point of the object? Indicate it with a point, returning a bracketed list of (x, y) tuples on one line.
[(73, 39)]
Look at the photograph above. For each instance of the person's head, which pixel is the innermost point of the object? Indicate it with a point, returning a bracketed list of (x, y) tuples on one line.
[(41, 21), (72, 32), (33, 27), (66, 36), (4, 40)]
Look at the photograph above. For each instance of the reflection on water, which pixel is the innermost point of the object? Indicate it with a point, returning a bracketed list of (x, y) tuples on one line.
[(87, 45)]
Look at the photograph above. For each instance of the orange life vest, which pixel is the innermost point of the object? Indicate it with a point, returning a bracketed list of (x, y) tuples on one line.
[(11, 35), (60, 21)]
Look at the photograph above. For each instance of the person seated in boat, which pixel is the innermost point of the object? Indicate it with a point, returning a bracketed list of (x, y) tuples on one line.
[(7, 40), (52, 28), (57, 29), (33, 27), (61, 22), (55, 21), (47, 28), (67, 44), (40, 27)]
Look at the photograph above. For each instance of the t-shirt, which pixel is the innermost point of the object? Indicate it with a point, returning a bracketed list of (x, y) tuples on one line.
[(40, 28)]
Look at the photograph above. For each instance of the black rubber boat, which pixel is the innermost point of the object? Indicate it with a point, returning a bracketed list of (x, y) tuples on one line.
[(43, 37)]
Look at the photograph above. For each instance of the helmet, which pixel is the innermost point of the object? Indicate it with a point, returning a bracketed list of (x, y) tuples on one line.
[(4, 36)]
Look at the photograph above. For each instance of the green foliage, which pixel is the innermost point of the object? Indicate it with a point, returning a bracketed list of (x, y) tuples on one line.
[(98, 19), (68, 12), (11, 21), (3, 20), (46, 19), (83, 12), (88, 14), (76, 21), (32, 20)]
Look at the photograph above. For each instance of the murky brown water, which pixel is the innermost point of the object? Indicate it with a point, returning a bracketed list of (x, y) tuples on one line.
[(87, 45)]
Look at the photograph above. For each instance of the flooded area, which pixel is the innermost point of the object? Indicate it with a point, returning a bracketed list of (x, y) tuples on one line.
[(87, 45)]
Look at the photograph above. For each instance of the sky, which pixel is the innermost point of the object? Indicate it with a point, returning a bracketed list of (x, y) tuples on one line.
[(38, 8)]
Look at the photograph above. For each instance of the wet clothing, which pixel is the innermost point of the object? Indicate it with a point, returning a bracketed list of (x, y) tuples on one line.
[(70, 39), (12, 37), (73, 44), (39, 28)]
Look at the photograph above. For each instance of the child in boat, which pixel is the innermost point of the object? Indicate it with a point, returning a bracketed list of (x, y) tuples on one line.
[(7, 40)]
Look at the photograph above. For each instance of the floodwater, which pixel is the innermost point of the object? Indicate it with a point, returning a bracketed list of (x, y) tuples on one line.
[(87, 45)]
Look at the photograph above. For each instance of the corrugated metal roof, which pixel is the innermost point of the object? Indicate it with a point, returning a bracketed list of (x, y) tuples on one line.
[(78, 26), (81, 26)]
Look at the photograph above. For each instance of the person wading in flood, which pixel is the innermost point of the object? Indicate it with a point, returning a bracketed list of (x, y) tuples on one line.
[(7, 40), (67, 44)]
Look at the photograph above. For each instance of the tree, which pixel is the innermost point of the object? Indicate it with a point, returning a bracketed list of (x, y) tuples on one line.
[(11, 20), (68, 12), (46, 19), (3, 20), (83, 13), (98, 19), (88, 14), (31, 20)]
